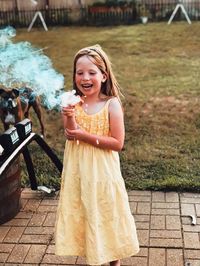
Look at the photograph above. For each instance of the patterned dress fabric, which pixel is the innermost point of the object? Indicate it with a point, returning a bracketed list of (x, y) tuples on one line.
[(93, 217)]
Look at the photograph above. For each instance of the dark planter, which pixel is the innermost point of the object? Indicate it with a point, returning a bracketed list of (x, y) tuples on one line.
[(10, 192)]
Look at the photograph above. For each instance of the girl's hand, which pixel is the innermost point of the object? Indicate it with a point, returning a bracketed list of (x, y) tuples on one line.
[(68, 111), (74, 134)]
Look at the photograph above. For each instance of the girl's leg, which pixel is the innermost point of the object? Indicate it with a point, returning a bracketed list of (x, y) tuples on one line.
[(115, 263)]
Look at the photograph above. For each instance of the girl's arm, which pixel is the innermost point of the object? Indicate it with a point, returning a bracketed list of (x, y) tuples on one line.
[(115, 141)]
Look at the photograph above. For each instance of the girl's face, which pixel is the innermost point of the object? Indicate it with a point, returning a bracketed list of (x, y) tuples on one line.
[(88, 77)]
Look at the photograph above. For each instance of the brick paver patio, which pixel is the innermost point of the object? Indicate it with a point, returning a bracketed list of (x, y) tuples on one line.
[(166, 235)]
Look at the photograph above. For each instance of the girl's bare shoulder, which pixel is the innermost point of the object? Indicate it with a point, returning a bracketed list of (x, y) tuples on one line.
[(114, 105)]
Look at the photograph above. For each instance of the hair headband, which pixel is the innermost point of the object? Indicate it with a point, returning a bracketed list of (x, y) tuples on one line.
[(93, 49)]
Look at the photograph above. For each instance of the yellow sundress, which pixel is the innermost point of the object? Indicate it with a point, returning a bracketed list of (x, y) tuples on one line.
[(93, 217)]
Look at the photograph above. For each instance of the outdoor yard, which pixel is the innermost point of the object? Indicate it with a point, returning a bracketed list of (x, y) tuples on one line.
[(157, 66)]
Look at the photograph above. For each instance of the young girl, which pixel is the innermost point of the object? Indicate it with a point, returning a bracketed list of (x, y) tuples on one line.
[(94, 218)]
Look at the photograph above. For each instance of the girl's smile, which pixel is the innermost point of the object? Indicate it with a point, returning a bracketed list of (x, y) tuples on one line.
[(87, 86)]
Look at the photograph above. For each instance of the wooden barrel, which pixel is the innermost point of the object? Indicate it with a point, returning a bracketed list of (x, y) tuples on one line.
[(10, 192)]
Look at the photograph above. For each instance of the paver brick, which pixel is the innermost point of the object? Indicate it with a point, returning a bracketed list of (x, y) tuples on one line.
[(37, 219), (157, 222), (3, 232), (49, 202), (50, 219), (3, 257), (81, 261), (143, 236), (24, 215), (47, 208), (139, 192), (52, 242), (14, 235), (174, 257), (197, 206), (158, 196), (31, 194), (134, 261), (190, 200), (156, 257), (18, 253), (166, 211), (192, 263), (54, 259), (165, 234), (142, 225), (142, 218), (173, 222), (17, 222), (168, 243), (192, 254), (133, 206), (32, 205), (35, 254), (172, 197), (6, 248), (22, 264), (189, 195), (165, 205), (143, 252), (187, 209), (23, 203), (191, 240), (186, 220), (39, 230), (50, 249), (139, 198), (191, 228), (143, 208), (36, 239)]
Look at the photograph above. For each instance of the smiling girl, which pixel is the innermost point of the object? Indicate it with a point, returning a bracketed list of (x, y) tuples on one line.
[(94, 218)]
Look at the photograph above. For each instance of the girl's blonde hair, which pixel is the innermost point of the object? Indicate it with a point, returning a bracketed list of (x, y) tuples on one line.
[(96, 54)]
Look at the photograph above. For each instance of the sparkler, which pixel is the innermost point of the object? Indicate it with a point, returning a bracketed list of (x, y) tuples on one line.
[(69, 98)]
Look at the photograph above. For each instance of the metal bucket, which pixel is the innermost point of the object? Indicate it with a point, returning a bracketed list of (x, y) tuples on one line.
[(10, 192)]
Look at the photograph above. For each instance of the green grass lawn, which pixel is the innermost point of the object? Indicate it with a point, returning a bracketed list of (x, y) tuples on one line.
[(158, 67)]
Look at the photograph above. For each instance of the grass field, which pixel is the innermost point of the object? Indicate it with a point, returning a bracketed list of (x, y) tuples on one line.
[(157, 66)]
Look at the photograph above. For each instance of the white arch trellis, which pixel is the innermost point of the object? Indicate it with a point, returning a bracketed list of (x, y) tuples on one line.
[(37, 14), (177, 7)]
